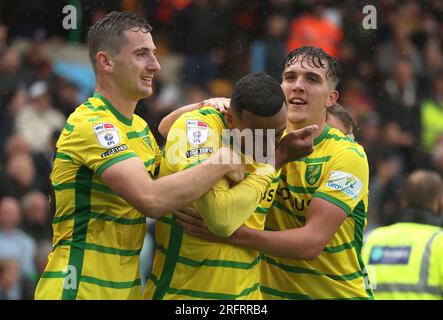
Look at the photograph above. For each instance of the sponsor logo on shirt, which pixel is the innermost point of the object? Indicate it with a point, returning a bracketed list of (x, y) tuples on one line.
[(197, 131), (198, 151), (389, 255), (107, 134), (345, 182), (114, 150)]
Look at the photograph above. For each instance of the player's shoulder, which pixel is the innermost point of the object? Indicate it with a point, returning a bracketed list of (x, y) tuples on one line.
[(91, 111), (207, 114), (338, 144), (139, 123), (206, 118)]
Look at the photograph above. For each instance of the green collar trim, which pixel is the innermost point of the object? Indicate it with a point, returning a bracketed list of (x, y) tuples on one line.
[(323, 135), (113, 110)]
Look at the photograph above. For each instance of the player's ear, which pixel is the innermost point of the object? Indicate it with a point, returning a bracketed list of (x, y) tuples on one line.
[(228, 117), (332, 98), (104, 61)]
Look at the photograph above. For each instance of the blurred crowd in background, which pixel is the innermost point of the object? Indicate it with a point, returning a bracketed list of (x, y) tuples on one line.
[(392, 87)]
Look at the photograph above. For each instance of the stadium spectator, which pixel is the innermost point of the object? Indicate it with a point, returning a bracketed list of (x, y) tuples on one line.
[(19, 176), (9, 279), (36, 121), (383, 191), (406, 257), (369, 135), (338, 117), (432, 116), (3, 36), (37, 220), (399, 101), (66, 96), (266, 53), (309, 29), (357, 96), (12, 73), (197, 42), (16, 244), (437, 156), (399, 47)]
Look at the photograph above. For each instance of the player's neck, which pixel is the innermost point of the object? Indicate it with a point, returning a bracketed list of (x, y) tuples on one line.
[(295, 126), (123, 103)]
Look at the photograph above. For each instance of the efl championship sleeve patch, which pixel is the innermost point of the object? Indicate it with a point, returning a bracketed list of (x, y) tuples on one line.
[(345, 182), (107, 134), (197, 132), (199, 151)]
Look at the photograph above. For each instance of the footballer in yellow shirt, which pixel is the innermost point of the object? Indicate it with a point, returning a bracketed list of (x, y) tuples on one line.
[(314, 230), (187, 267)]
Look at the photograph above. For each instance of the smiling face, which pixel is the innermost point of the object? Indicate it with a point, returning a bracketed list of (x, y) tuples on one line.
[(308, 92), (134, 66)]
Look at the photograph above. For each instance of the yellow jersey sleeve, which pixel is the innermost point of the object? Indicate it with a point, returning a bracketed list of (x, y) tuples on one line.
[(346, 179), (225, 208), (99, 145)]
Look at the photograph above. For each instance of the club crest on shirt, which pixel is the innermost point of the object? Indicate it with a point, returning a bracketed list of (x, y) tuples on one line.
[(313, 173), (107, 134), (197, 132)]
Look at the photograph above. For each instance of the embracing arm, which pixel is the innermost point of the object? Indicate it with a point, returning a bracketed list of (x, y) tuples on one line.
[(169, 120), (220, 104), (153, 198), (225, 209), (323, 221), (306, 243)]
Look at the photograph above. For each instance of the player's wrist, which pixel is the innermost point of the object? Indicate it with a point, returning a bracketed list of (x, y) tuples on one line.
[(279, 162), (240, 236)]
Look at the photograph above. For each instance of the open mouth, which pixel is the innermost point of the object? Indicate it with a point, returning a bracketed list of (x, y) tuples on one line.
[(147, 80), (298, 102)]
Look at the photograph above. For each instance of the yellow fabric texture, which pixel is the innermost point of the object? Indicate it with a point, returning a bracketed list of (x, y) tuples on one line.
[(336, 171), (187, 267), (98, 236)]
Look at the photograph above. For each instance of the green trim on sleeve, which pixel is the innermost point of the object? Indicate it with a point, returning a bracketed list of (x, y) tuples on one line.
[(361, 155), (63, 156), (138, 134), (68, 127), (211, 110), (335, 201), (112, 161)]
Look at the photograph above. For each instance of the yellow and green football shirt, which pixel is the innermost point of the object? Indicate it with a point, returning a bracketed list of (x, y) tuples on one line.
[(187, 267), (98, 236), (336, 171)]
